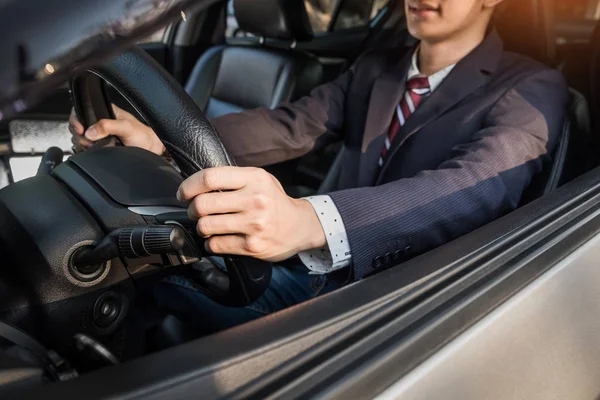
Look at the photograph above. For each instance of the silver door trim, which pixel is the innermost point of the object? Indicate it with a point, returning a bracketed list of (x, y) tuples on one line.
[(543, 343)]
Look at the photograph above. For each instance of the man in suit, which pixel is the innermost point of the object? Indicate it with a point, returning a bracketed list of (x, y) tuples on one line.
[(438, 141)]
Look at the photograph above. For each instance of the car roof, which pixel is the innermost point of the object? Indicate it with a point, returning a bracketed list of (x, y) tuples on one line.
[(45, 42)]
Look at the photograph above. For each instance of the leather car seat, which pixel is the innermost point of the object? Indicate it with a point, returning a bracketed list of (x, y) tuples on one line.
[(228, 79), (594, 87), (534, 20), (527, 27)]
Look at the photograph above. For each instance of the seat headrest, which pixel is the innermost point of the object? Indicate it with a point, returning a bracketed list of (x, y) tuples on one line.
[(527, 27), (276, 19)]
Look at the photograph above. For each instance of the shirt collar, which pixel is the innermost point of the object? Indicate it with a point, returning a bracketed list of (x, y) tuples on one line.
[(434, 80)]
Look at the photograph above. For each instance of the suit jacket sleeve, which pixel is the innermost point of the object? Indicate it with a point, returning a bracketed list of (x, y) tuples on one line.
[(263, 136), (481, 181)]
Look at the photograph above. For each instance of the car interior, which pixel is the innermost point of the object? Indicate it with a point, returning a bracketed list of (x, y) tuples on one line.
[(234, 56)]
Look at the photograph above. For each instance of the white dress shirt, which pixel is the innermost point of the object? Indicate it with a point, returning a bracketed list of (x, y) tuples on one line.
[(337, 254)]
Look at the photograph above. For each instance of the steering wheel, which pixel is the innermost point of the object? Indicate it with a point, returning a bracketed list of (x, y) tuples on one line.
[(189, 137), (76, 238)]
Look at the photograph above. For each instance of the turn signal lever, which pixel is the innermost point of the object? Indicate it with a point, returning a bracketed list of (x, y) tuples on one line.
[(241, 283), (51, 159), (134, 242)]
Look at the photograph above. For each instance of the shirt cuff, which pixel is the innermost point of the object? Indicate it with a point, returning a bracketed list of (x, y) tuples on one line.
[(336, 254)]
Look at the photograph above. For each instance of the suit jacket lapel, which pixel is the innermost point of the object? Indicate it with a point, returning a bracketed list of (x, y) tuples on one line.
[(471, 73), (385, 96)]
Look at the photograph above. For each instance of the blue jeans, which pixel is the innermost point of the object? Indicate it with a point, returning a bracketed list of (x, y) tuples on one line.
[(289, 286)]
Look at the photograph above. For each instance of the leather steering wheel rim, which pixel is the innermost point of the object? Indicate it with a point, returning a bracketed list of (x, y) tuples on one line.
[(191, 140), (167, 108)]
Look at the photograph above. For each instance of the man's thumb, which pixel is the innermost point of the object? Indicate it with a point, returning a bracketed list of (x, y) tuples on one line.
[(99, 130)]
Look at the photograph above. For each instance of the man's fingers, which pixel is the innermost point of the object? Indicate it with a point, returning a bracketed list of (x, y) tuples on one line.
[(81, 141), (211, 179), (75, 126), (107, 127), (121, 126), (76, 129), (224, 224), (217, 203), (230, 244)]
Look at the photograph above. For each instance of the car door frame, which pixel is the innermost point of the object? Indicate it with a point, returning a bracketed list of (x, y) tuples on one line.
[(400, 336), (365, 337)]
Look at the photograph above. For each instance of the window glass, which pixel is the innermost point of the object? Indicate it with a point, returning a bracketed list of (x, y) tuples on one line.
[(320, 13), (231, 23), (357, 13), (155, 37), (232, 28), (353, 13)]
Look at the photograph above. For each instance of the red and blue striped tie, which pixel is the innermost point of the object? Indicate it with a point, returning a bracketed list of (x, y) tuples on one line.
[(417, 88)]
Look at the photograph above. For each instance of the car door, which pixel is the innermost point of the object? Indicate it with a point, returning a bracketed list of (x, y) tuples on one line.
[(521, 324), (507, 311)]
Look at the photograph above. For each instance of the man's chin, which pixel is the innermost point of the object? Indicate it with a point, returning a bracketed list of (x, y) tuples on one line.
[(425, 33)]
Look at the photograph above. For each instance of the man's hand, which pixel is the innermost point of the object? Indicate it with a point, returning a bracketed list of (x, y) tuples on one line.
[(252, 217), (126, 127)]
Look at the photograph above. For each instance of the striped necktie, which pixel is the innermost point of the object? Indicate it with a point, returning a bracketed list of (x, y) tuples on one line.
[(417, 89)]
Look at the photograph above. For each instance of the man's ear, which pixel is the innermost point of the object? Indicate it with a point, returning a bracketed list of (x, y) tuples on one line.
[(491, 3)]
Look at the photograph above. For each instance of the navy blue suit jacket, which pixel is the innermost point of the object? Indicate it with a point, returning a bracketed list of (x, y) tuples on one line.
[(463, 159)]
